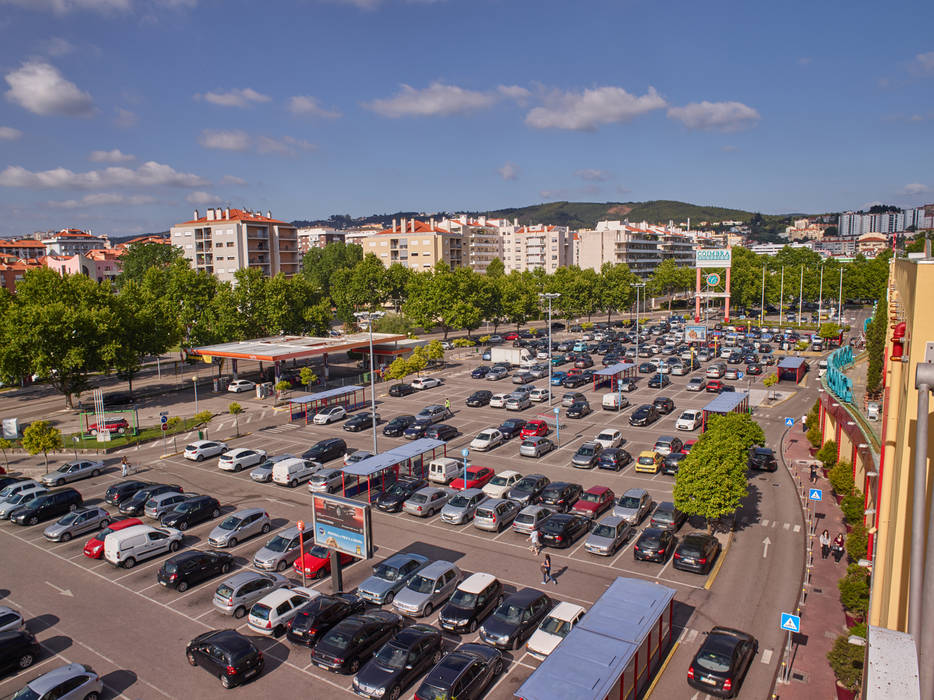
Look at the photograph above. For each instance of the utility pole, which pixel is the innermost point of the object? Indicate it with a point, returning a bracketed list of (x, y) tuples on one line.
[(638, 286), (369, 317), (549, 296)]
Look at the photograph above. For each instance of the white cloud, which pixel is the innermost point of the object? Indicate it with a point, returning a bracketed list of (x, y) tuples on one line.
[(622, 189), (125, 118), (41, 89), (285, 146), (585, 111), (593, 175), (437, 99), (8, 133), (306, 106), (718, 116), (149, 174), (114, 156), (56, 46), (915, 188), (509, 171), (201, 197), (239, 97), (924, 63), (232, 180), (232, 140), (103, 199), (61, 7), (514, 92)]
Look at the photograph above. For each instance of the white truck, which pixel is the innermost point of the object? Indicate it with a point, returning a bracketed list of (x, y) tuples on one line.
[(514, 356)]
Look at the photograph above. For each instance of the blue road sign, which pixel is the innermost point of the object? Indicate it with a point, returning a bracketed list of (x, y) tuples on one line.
[(557, 410), (791, 623), (164, 419), (815, 495), (739, 375), (789, 422)]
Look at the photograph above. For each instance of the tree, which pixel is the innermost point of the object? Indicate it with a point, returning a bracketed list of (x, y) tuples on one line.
[(202, 417), (235, 410), (435, 351), (829, 330), (320, 264), (42, 436), (281, 386), (615, 289), (307, 377), (495, 268), (4, 446), (398, 370), (875, 347), (739, 429), (139, 258), (519, 300), (418, 360), (143, 329), (668, 278)]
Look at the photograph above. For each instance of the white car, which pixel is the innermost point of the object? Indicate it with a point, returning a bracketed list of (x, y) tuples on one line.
[(271, 613), (498, 400), (553, 629), (487, 439), (538, 395), (240, 458), (199, 450), (501, 483), (425, 383), (329, 415), (238, 385), (354, 456), (609, 438), (690, 419)]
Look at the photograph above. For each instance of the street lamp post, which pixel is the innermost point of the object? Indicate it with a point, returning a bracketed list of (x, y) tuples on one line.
[(549, 296), (369, 317), (840, 299), (465, 453), (820, 294), (638, 286), (194, 380)]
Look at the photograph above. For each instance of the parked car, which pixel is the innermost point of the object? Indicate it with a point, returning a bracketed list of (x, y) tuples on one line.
[(562, 530), (422, 383), (672, 462), (426, 502), (191, 512), (465, 673), (579, 409), (77, 522), (587, 455), (633, 506), (697, 552), (238, 385), (227, 654), (534, 428), (487, 439), (159, 505), (434, 414), (136, 504), (399, 662), (94, 548), (610, 437), (479, 398), (496, 373), (353, 640), (428, 589), (240, 526), (18, 650), (480, 372), (391, 499), (511, 427), (326, 450), (134, 544), (110, 425), (654, 544), (561, 495), (11, 621), (46, 506), (666, 445), (441, 431), (572, 397), (389, 576), (118, 493), (667, 516), (474, 477), (315, 618), (280, 551), (663, 405), (200, 450), (329, 414), (263, 473), (271, 614), (536, 446), (473, 599), (462, 506), (18, 500), (553, 629), (235, 595), (715, 387), (515, 619), (608, 535), (69, 682), (594, 502), (400, 389), (690, 419), (397, 426), (648, 462), (614, 458), (531, 518), (528, 489), (495, 514), (316, 562), (183, 570), (72, 471), (326, 481), (240, 458), (722, 662), (360, 421), (502, 483), (646, 414)]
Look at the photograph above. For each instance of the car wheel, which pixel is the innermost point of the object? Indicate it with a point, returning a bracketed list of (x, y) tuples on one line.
[(239, 612), (225, 681), (225, 568), (92, 696), (215, 513), (293, 483), (96, 472), (182, 586), (320, 573), (355, 665), (191, 659), (282, 565), (428, 609), (173, 547), (25, 661), (265, 528), (33, 520), (200, 458), (183, 526), (396, 692), (104, 523), (389, 598), (129, 563), (498, 667), (232, 542), (60, 482), (66, 537)]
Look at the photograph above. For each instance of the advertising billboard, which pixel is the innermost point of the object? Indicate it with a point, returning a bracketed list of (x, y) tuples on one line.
[(342, 524), (695, 334), (714, 257)]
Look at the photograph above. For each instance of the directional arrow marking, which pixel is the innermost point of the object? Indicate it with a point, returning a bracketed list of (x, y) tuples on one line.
[(64, 591), (765, 547)]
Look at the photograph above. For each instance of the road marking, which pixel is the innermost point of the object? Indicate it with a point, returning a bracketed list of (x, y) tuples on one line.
[(690, 636), (64, 591), (787, 526), (765, 547), (766, 656), (765, 523), (661, 670), (797, 528)]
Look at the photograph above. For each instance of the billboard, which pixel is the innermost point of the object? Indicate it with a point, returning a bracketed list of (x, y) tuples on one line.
[(714, 257), (342, 524), (695, 334)]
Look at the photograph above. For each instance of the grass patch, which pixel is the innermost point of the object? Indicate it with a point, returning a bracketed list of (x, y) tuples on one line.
[(86, 442)]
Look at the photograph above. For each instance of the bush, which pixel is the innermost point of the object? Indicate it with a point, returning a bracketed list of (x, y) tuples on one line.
[(202, 417), (587, 326), (484, 339), (847, 660), (854, 590), (857, 542), (852, 507), (841, 478), (828, 453), (813, 434), (393, 323), (463, 343)]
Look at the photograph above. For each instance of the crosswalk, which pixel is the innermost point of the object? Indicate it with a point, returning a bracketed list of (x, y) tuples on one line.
[(285, 428)]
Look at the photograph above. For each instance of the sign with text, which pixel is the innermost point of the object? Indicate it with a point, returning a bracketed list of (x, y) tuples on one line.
[(695, 334), (342, 524), (714, 257)]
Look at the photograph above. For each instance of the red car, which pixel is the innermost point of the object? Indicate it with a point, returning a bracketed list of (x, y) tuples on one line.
[(316, 562), (477, 477), (95, 546), (594, 501), (687, 446), (114, 425), (511, 335), (534, 428), (714, 386)]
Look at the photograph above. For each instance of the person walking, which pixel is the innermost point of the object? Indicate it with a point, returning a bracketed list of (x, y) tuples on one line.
[(546, 570), (813, 473), (536, 543), (838, 547), (447, 404), (824, 544), (124, 467)]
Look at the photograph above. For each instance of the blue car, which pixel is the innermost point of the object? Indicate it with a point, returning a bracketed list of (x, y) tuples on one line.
[(480, 372), (485, 356), (558, 377)]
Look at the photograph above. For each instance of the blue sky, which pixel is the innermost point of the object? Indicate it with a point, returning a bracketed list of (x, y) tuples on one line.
[(124, 115)]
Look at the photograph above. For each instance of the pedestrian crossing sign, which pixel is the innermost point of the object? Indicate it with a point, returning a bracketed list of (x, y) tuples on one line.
[(791, 623), (789, 422), (815, 495)]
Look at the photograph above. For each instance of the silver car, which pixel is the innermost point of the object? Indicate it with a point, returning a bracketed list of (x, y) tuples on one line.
[(20, 499), (157, 506), (236, 595), (77, 522), (517, 402), (462, 506), (536, 446), (11, 621), (633, 506), (326, 481), (390, 576), (608, 535), (530, 518), (72, 471), (426, 501), (240, 526), (495, 514), (18, 487), (428, 589), (281, 551), (70, 682), (263, 472)]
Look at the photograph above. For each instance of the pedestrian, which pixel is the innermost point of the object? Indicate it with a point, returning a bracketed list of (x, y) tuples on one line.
[(813, 473), (536, 543), (838, 547), (124, 467), (824, 544), (546, 570)]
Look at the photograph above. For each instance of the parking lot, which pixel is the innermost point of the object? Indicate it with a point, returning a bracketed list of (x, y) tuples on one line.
[(133, 631)]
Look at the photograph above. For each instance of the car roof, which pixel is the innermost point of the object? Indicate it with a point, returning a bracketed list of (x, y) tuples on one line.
[(47, 681), (636, 492), (524, 596), (611, 520), (413, 634), (647, 453), (597, 489), (247, 511), (200, 443), (428, 490), (565, 611), (436, 568), (664, 438), (508, 472), (473, 491), (277, 596), (241, 577), (404, 557), (238, 450)]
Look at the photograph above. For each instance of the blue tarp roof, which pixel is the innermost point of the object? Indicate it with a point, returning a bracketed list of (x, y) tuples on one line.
[(724, 403), (329, 394), (590, 660), (376, 463), (790, 362), (614, 369)]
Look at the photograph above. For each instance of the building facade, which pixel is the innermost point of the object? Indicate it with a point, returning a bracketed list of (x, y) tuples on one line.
[(318, 237), (537, 247), (415, 244), (616, 242), (73, 242), (23, 249), (226, 240)]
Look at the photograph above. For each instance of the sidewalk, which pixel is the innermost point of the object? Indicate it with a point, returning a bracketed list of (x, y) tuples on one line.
[(821, 613)]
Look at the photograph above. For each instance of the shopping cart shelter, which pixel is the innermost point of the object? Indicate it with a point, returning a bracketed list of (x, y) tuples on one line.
[(613, 374), (305, 407), (371, 476), (728, 402), (792, 368)]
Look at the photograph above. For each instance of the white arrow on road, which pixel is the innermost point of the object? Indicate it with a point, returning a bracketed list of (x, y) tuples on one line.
[(765, 547), (63, 591)]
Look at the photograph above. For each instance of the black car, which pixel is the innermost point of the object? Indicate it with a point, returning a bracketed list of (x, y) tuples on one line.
[(360, 421), (464, 674), (401, 660), (480, 372), (583, 362), (466, 609), (397, 426), (511, 427), (515, 619), (119, 398), (226, 654), (47, 506), (315, 618), (672, 462), (579, 409), (136, 504), (721, 663), (561, 495), (417, 429), (646, 414), (191, 512), (18, 649), (120, 493), (479, 398), (762, 459), (353, 640), (183, 570), (614, 458), (326, 450), (401, 390), (561, 530), (647, 367), (697, 552), (527, 490), (654, 544), (391, 499), (659, 381), (663, 405), (441, 431), (572, 381)]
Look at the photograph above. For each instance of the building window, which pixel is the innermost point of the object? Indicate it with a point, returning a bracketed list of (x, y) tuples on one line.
[(230, 244)]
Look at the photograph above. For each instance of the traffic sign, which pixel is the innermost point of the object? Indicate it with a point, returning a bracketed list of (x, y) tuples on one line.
[(815, 495), (739, 375), (557, 410), (164, 419), (791, 623), (164, 413), (713, 279), (789, 422), (165, 427)]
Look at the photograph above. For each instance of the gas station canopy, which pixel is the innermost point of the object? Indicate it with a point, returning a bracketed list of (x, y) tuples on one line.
[(292, 347)]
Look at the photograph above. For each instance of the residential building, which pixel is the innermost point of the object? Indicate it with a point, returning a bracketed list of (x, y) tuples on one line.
[(318, 237), (99, 265), (837, 246), (11, 272), (537, 247), (620, 242), (857, 223), (226, 240), (678, 247), (73, 242), (482, 241), (871, 244), (23, 249), (774, 248), (415, 244)]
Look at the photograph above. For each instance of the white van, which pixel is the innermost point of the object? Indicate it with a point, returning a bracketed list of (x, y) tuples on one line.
[(292, 472), (614, 401), (443, 470), (133, 544), (821, 368)]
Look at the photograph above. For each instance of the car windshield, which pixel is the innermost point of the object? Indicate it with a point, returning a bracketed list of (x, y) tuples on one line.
[(555, 626), (509, 613), (641, 412), (260, 612), (229, 523), (606, 436), (646, 460), (591, 497), (604, 531), (463, 599), (526, 485), (18, 498), (69, 518), (64, 468), (27, 693), (278, 544), (387, 573), (319, 551), (485, 436), (337, 638), (629, 502), (501, 480), (713, 658), (586, 451), (398, 490), (553, 525), (460, 501), (418, 498), (391, 657), (525, 443), (266, 466), (7, 491), (421, 584), (224, 591)]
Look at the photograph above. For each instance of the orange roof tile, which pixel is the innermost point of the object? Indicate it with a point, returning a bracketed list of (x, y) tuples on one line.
[(236, 215)]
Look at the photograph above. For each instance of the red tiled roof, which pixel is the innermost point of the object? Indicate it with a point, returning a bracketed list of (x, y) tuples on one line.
[(420, 227), (236, 215), (21, 244)]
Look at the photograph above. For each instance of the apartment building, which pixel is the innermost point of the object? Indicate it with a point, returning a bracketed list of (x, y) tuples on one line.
[(226, 240), (318, 237), (99, 265), (537, 247), (23, 249), (73, 242), (415, 244), (481, 240), (638, 246)]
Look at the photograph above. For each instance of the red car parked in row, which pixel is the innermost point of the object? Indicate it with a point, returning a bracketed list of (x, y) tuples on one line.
[(594, 501), (95, 546), (477, 478), (534, 428), (316, 562)]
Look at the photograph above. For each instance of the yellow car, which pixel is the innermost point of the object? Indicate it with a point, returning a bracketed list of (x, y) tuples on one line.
[(648, 461)]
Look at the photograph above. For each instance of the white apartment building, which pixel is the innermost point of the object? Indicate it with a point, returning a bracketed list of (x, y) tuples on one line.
[(535, 247), (640, 246), (226, 240), (71, 241), (415, 244)]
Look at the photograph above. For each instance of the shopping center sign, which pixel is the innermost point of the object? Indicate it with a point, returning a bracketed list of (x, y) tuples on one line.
[(714, 257)]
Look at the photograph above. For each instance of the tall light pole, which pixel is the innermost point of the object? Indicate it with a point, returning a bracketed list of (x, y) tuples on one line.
[(638, 286), (820, 293), (549, 296), (840, 298), (762, 302), (369, 317), (781, 298)]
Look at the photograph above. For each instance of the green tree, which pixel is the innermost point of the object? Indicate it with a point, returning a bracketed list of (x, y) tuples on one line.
[(398, 370), (616, 291), (829, 330), (235, 410), (435, 351), (307, 377), (418, 360), (42, 437), (4, 446), (139, 258), (875, 347), (519, 299), (668, 279), (739, 429), (320, 264), (143, 328), (495, 268), (281, 386), (202, 417)]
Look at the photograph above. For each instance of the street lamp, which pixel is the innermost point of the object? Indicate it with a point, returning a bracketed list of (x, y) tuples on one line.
[(194, 380), (638, 286), (465, 453), (549, 296), (820, 293), (369, 317)]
